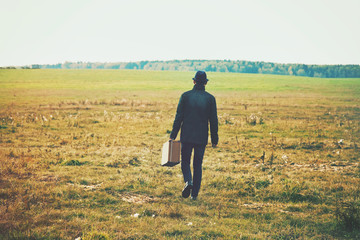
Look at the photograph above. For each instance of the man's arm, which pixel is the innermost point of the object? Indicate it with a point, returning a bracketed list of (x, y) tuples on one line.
[(179, 117), (214, 124)]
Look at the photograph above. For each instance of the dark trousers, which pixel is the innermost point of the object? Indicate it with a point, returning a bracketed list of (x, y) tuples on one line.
[(186, 150)]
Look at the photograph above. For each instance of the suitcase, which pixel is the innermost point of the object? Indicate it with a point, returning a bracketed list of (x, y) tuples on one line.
[(171, 153)]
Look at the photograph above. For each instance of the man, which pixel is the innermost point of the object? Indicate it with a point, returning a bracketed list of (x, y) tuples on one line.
[(196, 109)]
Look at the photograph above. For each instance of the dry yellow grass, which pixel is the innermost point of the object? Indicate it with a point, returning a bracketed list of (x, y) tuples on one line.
[(80, 157)]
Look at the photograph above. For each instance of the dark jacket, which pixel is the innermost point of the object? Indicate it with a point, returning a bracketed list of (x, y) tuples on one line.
[(196, 109)]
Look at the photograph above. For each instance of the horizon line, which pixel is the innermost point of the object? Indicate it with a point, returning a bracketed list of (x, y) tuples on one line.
[(170, 60)]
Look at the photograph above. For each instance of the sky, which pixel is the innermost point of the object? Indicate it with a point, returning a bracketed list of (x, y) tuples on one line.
[(281, 31)]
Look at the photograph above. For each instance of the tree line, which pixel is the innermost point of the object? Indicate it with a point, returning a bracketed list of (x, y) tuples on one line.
[(322, 71)]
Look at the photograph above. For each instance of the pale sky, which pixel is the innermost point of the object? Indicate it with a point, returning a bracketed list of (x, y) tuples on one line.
[(282, 31)]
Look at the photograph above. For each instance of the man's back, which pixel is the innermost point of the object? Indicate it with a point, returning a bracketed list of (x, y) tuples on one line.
[(196, 108)]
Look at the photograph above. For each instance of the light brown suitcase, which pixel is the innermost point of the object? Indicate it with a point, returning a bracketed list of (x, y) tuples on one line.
[(171, 153)]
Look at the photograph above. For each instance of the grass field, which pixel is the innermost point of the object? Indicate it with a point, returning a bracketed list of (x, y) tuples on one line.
[(80, 157)]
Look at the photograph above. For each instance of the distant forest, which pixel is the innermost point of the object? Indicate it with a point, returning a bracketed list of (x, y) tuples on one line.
[(323, 71)]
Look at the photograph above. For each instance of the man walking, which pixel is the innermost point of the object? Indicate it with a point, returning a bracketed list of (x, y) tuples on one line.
[(196, 109)]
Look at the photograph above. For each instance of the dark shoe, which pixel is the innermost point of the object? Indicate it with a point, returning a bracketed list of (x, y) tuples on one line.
[(186, 191), (193, 198)]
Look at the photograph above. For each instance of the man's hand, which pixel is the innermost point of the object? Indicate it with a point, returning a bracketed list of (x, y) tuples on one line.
[(213, 145), (171, 139)]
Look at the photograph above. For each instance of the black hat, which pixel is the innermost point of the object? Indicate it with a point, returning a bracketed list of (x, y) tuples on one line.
[(200, 77)]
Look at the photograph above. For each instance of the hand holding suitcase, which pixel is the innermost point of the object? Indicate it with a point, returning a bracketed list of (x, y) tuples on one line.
[(171, 153)]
